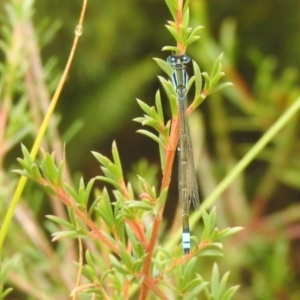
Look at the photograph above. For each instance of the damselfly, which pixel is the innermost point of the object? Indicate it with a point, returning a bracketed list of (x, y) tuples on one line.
[(187, 182)]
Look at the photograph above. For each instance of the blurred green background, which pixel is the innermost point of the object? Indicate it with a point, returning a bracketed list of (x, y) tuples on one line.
[(113, 65)]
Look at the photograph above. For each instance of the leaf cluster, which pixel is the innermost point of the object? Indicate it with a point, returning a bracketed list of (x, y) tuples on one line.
[(179, 27), (122, 236), (124, 228)]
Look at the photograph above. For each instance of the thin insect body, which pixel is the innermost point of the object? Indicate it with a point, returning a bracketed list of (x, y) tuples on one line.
[(187, 182)]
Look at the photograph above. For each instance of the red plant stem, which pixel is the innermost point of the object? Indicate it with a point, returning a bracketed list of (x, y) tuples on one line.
[(95, 233), (151, 284), (170, 149), (136, 224), (170, 153), (181, 261), (126, 289)]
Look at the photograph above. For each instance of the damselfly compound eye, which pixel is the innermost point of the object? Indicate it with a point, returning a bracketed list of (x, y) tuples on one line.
[(186, 59), (171, 60)]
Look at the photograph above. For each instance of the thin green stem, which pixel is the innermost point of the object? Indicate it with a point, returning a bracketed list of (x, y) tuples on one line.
[(248, 158)]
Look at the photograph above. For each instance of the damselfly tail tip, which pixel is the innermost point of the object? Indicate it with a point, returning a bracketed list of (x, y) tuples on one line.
[(186, 251), (186, 242)]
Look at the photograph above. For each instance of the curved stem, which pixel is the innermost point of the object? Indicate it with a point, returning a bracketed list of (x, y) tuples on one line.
[(40, 135)]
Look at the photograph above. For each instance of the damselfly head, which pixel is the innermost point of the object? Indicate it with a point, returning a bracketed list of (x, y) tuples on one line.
[(177, 61)]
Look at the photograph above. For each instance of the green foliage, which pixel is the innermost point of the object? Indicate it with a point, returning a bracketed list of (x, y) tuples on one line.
[(118, 216), (218, 289), (125, 236), (178, 28), (6, 268), (127, 253)]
